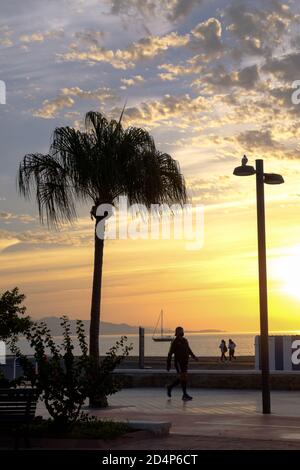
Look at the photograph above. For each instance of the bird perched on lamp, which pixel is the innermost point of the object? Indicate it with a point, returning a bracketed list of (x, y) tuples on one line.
[(244, 160)]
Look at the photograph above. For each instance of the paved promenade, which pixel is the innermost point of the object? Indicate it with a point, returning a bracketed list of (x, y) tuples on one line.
[(223, 419), (214, 419)]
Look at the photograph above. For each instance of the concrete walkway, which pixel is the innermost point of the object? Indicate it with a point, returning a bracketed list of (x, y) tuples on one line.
[(205, 402), (214, 419), (221, 414)]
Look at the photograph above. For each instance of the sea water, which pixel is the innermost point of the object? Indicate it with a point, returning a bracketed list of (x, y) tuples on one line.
[(202, 344)]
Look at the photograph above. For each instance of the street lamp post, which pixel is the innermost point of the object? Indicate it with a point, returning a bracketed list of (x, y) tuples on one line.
[(263, 296), (261, 179)]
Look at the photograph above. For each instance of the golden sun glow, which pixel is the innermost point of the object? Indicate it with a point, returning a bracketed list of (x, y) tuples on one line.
[(287, 272)]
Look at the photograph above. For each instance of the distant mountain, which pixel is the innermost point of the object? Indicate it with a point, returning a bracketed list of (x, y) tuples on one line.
[(106, 328)]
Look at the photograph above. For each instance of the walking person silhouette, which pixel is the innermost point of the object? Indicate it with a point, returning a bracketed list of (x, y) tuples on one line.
[(231, 349), (223, 349), (181, 350)]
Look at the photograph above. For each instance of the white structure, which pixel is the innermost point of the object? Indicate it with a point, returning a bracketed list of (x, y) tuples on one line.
[(284, 353)]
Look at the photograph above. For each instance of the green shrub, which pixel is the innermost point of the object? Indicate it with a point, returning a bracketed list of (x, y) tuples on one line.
[(64, 381)]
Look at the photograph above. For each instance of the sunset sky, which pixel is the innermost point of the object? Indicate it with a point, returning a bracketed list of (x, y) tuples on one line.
[(211, 80)]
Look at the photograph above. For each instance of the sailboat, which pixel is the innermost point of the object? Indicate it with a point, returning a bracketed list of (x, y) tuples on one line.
[(162, 337)]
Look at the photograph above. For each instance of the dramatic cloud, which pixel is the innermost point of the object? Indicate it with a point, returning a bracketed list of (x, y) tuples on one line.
[(245, 78), (129, 7), (286, 68), (8, 217), (171, 9), (173, 71), (51, 108), (258, 30), (210, 189), (6, 42), (181, 8), (90, 37), (146, 48), (207, 36), (5, 36), (263, 140), (104, 94), (258, 139), (41, 37), (169, 107), (282, 98), (79, 235), (127, 82)]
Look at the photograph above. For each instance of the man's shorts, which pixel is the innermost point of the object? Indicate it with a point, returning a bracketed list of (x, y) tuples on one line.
[(181, 367)]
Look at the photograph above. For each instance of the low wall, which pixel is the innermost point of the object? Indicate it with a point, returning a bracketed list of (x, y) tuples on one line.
[(211, 379)]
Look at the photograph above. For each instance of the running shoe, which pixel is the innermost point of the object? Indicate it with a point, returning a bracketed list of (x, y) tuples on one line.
[(187, 397)]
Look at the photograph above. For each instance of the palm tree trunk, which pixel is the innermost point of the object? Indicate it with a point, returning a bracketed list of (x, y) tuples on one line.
[(96, 295), (97, 399)]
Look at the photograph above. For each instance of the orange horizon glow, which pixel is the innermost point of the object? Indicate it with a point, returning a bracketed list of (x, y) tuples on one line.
[(212, 288)]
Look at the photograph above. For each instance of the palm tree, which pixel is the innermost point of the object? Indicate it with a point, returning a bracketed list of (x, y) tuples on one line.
[(97, 166)]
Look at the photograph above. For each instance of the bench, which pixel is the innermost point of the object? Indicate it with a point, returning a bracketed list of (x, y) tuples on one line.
[(17, 411)]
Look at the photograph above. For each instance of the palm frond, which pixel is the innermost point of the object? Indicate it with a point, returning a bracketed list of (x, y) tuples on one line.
[(44, 175), (99, 164)]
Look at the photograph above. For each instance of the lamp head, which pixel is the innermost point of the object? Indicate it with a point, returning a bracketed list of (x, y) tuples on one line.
[(247, 170), (244, 169), (273, 178)]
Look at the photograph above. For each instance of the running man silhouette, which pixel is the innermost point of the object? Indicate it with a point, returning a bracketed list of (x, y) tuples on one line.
[(181, 350)]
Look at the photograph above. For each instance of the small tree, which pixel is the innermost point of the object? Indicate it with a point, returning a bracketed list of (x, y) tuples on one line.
[(11, 324), (65, 381)]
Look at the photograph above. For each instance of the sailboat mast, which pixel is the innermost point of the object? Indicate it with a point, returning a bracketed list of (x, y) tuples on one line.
[(162, 337)]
